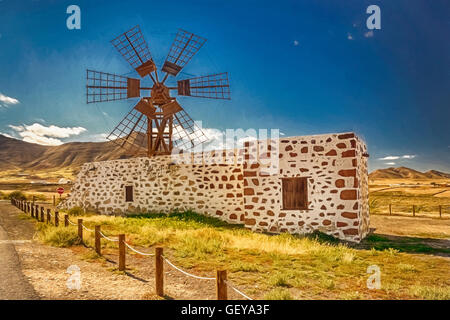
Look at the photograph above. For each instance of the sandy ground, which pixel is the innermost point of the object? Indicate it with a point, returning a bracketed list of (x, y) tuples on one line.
[(46, 269), (409, 226)]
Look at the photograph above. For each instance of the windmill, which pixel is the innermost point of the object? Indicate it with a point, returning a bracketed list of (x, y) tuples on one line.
[(157, 123)]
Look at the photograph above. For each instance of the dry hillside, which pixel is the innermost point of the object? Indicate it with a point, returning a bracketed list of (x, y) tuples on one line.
[(407, 173), (16, 154)]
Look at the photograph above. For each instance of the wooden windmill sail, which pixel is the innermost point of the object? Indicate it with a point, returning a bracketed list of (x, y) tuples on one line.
[(157, 123)]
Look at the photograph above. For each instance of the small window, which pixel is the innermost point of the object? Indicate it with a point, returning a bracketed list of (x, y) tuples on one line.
[(129, 193), (295, 193)]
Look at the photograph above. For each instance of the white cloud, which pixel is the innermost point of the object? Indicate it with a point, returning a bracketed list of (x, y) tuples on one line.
[(368, 34), (406, 156), (7, 100), (37, 133), (296, 43), (389, 158), (390, 163), (349, 36)]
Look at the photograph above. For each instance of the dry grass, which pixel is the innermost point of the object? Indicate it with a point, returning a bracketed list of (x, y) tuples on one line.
[(276, 266), (421, 193)]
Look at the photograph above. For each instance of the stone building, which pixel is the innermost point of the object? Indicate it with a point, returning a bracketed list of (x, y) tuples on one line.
[(296, 185)]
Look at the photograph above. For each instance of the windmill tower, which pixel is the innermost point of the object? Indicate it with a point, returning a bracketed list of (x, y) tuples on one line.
[(157, 123)]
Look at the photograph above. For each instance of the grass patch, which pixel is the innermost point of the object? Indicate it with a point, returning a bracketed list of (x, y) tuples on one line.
[(431, 292), (409, 245), (280, 280), (76, 211), (268, 265), (278, 294), (58, 237), (240, 266)]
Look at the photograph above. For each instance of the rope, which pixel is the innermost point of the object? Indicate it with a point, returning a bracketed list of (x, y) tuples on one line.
[(86, 228), (186, 273), (74, 224), (238, 291), (107, 238), (142, 253)]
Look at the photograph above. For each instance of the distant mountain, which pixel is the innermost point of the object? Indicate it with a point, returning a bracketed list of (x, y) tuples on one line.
[(17, 154), (407, 173)]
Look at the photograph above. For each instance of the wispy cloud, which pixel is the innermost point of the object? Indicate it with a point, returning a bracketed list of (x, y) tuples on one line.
[(368, 34), (406, 156), (51, 135), (390, 163), (389, 158), (349, 36), (6, 135), (7, 101), (296, 43)]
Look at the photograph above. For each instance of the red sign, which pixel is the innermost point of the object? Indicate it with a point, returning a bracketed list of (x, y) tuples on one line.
[(60, 190)]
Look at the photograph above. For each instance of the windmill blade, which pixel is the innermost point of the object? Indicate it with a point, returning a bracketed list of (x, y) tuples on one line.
[(102, 86), (185, 45), (131, 133), (134, 49), (187, 134), (215, 86)]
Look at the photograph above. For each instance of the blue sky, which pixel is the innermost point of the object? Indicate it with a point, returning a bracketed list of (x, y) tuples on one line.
[(305, 67)]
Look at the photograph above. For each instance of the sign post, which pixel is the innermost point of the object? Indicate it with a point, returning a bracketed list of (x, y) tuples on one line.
[(60, 190)]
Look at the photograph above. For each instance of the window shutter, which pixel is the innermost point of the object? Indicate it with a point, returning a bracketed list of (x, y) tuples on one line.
[(295, 193)]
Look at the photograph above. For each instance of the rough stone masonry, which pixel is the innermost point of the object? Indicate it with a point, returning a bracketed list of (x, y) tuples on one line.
[(296, 185)]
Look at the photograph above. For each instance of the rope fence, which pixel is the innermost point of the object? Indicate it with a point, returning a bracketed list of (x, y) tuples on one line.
[(221, 277)]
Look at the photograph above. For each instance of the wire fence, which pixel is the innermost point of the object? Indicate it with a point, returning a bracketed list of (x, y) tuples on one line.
[(222, 283), (414, 210)]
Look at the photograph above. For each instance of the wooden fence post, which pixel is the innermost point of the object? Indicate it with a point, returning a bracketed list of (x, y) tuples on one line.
[(36, 213), (28, 207), (98, 247), (66, 220), (221, 279), (49, 218), (159, 271), (121, 252), (54, 201), (80, 229), (56, 218), (390, 209), (414, 210), (32, 211), (440, 211), (42, 214)]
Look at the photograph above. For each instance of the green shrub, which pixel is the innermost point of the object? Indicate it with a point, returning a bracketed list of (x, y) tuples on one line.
[(76, 211), (16, 195)]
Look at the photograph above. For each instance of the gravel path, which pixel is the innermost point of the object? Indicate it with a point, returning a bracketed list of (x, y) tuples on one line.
[(13, 284)]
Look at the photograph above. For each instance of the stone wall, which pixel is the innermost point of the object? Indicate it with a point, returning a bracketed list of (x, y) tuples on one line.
[(337, 186), (242, 186)]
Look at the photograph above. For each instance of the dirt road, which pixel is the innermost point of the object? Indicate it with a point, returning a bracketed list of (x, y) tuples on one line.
[(13, 284)]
